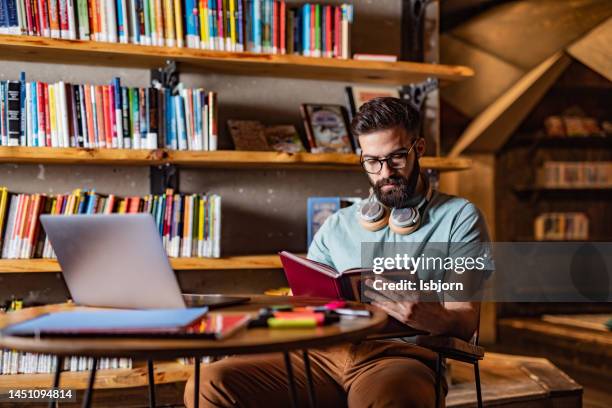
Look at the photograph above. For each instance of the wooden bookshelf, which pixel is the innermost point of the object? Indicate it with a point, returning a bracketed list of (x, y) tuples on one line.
[(540, 141), (178, 264), (536, 188), (219, 158), (169, 372), (30, 48)]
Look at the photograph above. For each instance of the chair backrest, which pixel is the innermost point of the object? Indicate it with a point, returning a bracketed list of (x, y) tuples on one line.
[(476, 336)]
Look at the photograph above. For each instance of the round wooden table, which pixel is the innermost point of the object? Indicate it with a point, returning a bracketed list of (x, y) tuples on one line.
[(248, 341)]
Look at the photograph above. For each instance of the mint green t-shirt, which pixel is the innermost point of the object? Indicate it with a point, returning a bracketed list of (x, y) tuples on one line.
[(446, 219)]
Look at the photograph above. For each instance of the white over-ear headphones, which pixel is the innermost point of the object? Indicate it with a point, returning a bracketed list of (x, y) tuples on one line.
[(373, 215)]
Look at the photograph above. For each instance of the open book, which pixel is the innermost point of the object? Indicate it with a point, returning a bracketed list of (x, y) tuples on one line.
[(311, 278)]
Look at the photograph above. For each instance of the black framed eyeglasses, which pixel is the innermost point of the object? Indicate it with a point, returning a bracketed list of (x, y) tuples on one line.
[(396, 160)]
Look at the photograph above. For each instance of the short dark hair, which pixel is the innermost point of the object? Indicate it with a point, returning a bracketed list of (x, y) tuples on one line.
[(386, 113)]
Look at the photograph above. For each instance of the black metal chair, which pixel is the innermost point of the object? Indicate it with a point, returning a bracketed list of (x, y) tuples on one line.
[(446, 347), (456, 349)]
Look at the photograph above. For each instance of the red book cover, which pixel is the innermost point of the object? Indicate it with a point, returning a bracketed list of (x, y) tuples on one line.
[(310, 278), (275, 27), (47, 114), (35, 17), (59, 203), (133, 205), (89, 117), (34, 224), (29, 23), (337, 32), (220, 30), (42, 120), (108, 133), (328, 31), (43, 11), (283, 27), (63, 17), (100, 115)]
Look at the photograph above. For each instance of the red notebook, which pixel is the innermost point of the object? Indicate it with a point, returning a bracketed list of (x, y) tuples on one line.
[(310, 278)]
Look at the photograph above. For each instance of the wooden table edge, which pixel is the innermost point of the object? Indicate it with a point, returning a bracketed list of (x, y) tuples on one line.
[(93, 347)]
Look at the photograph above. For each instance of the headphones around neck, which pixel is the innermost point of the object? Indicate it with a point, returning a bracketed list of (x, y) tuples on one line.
[(373, 215)]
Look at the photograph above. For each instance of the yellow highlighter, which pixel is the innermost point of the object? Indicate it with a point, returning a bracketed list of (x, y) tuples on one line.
[(302, 323)]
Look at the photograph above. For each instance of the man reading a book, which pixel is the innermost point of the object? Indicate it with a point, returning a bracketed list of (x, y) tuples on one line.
[(389, 373)]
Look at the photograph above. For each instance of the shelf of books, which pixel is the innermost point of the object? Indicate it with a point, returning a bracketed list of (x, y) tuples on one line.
[(32, 48), (166, 372), (178, 264), (219, 158), (570, 176)]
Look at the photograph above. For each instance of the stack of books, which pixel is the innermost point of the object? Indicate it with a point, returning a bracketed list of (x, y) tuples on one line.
[(560, 226), (576, 126), (16, 362), (559, 174), (106, 116), (267, 26), (190, 225)]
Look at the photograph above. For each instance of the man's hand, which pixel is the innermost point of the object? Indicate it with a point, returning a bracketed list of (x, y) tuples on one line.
[(422, 311), (419, 310)]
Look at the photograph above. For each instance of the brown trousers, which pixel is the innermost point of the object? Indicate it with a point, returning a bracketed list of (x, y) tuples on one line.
[(369, 374)]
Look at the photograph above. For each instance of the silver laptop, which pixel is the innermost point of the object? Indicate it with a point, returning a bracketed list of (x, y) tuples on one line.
[(118, 260)]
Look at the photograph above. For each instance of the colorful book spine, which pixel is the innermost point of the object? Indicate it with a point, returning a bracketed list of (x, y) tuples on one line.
[(22, 108), (240, 26), (323, 32), (275, 27), (191, 16), (72, 27), (178, 23), (146, 19), (43, 9), (232, 25), (337, 32), (347, 20), (283, 27), (122, 21), (159, 23), (306, 14), (134, 18), (212, 24), (61, 114), (220, 26), (257, 26), (169, 28), (227, 25), (204, 29), (185, 222)]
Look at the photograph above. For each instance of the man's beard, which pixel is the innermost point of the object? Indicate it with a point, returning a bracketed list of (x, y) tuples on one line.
[(402, 195)]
